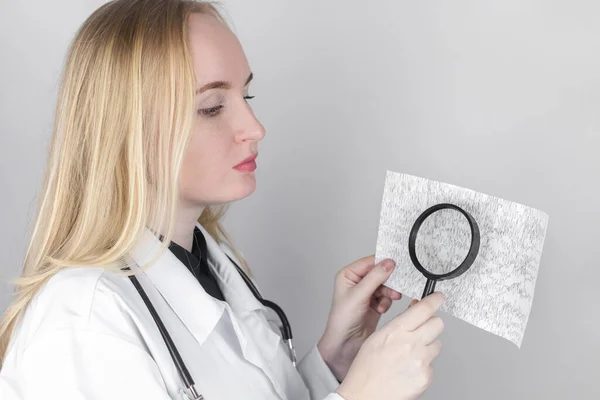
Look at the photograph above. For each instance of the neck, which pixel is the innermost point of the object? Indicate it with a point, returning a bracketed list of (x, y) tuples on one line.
[(185, 222)]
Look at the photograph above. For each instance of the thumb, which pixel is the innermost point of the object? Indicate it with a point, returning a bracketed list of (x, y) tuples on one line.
[(375, 278)]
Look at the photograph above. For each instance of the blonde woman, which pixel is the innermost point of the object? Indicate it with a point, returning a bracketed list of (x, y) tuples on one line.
[(153, 136)]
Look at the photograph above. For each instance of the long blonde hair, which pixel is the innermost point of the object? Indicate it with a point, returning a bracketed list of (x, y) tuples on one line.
[(123, 117)]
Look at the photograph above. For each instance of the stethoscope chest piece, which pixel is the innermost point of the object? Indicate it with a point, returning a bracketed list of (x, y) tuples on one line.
[(183, 395), (190, 395)]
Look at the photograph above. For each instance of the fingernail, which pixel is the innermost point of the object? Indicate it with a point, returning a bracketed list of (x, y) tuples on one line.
[(440, 296), (387, 265)]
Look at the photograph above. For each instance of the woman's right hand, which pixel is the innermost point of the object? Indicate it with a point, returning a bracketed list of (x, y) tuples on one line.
[(395, 361)]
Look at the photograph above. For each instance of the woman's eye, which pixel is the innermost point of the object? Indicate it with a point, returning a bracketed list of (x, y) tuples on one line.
[(210, 112), (214, 111)]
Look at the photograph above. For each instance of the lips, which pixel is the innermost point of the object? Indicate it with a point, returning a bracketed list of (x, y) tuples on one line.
[(247, 160)]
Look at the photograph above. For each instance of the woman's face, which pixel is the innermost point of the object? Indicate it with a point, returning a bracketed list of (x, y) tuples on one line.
[(226, 132)]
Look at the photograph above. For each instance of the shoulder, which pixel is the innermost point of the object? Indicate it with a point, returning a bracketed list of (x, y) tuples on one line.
[(82, 319), (66, 298), (80, 298)]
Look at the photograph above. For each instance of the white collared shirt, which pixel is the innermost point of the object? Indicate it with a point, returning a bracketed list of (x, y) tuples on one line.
[(88, 335)]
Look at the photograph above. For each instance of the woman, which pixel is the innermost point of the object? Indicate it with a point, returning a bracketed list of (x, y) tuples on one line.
[(153, 137)]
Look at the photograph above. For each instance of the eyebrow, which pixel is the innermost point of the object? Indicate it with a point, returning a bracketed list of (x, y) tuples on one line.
[(221, 85)]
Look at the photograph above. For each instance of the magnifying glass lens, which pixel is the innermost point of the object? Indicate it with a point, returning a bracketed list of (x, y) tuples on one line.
[(443, 241)]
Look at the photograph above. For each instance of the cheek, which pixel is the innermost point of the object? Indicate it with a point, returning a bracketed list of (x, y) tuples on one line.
[(206, 175), (201, 163)]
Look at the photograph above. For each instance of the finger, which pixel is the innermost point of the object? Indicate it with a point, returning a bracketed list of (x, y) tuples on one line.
[(417, 314), (380, 305), (374, 303), (427, 354), (430, 330), (375, 278), (384, 305), (432, 351), (360, 268), (388, 292), (412, 303)]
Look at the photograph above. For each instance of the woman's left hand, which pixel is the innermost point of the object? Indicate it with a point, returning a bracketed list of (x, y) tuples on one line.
[(359, 300)]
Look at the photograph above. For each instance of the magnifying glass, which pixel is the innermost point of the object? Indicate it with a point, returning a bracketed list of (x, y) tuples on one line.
[(463, 267)]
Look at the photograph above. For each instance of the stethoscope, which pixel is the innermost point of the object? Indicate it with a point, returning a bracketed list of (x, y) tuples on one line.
[(186, 377)]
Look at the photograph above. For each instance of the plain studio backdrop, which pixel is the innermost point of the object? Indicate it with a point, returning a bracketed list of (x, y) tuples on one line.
[(500, 96)]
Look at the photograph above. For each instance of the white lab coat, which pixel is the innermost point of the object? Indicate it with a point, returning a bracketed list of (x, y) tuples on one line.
[(88, 335)]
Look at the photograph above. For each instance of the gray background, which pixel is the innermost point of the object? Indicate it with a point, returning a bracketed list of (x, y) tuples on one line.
[(500, 96)]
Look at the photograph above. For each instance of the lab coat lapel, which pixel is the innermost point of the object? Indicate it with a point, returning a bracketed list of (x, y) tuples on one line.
[(247, 309), (199, 311), (238, 295)]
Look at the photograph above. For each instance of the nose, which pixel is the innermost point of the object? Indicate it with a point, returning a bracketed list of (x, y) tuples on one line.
[(251, 128)]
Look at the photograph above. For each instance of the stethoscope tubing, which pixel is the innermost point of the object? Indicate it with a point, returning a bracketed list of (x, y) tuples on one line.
[(185, 375), (182, 370)]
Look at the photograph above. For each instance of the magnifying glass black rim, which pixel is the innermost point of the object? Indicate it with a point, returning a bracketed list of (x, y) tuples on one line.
[(473, 250)]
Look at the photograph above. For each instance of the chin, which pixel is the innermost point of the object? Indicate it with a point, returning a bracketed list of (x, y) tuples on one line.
[(238, 190), (247, 186), (227, 192)]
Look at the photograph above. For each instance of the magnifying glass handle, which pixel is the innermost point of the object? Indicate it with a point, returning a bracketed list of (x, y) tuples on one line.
[(429, 287)]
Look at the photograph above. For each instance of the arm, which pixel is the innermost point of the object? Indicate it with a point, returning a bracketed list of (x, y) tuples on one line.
[(76, 363), (359, 300), (317, 376)]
